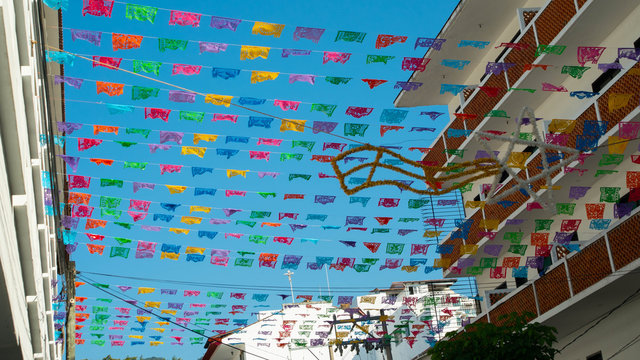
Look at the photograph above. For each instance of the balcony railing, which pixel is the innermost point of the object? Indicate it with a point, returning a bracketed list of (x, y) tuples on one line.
[(626, 83), (609, 252)]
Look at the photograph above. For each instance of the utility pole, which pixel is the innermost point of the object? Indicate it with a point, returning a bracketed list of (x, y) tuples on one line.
[(386, 342), (288, 274), (70, 290)]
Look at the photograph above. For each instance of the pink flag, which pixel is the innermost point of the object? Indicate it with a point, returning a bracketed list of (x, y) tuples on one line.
[(169, 168), (137, 216), (259, 155), (287, 105), (336, 57), (229, 193), (184, 69), (184, 18), (274, 142), (155, 113), (225, 117)]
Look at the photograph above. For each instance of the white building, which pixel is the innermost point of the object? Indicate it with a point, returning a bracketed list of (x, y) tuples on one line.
[(412, 314), (586, 52), (28, 245)]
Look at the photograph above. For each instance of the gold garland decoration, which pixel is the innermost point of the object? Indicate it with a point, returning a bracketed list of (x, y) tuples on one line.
[(478, 169)]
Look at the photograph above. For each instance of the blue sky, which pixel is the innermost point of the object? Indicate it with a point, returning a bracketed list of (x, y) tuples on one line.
[(412, 19)]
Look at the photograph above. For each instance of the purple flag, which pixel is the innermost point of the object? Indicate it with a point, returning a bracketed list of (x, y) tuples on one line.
[(312, 34), (140, 185), (72, 161), (154, 147), (577, 192), (71, 81), (182, 96), (219, 221), (228, 212), (212, 47), (225, 23), (295, 52), (175, 136), (67, 127), (262, 174), (324, 199), (93, 37), (311, 79), (432, 114), (324, 126), (354, 220), (492, 249)]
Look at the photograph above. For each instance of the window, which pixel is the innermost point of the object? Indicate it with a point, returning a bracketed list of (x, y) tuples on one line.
[(530, 149), (604, 79), (520, 281), (411, 290), (596, 356)]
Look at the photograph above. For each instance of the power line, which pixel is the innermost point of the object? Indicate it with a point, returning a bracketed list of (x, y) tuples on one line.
[(625, 347), (168, 319), (601, 319), (342, 289)]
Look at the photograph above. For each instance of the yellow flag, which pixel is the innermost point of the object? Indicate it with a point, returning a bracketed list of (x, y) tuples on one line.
[(231, 173), (409, 268), (143, 318), (252, 52), (489, 224), (431, 233), (136, 336), (194, 250), (158, 329), (474, 204), (617, 145), (218, 99), (190, 220), (553, 187), (267, 29), (176, 189), (163, 323), (204, 137), (441, 263), (172, 256), (468, 249), (368, 299), (153, 304), (179, 231), (146, 290), (166, 311), (618, 101), (293, 125), (199, 208), (155, 343), (260, 76), (563, 126), (517, 159), (193, 150)]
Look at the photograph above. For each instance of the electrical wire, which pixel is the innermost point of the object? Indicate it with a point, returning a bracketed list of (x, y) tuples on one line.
[(342, 289), (602, 319), (164, 318), (108, 66), (625, 347)]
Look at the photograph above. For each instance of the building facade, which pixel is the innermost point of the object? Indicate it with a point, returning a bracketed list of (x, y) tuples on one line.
[(29, 257), (553, 235), (399, 322)]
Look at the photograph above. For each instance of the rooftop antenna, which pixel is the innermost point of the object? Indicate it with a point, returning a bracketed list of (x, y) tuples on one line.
[(288, 274)]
